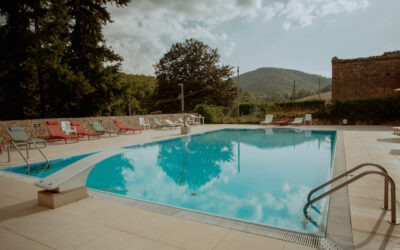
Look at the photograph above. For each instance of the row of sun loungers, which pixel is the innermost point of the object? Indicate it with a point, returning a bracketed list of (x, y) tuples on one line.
[(285, 121), (73, 131)]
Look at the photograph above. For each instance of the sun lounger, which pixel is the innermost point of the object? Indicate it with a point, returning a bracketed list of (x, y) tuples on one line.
[(57, 134), (297, 121), (143, 123), (18, 135), (123, 128), (282, 122), (66, 128), (308, 118), (268, 119), (99, 129), (81, 132), (171, 124), (194, 120), (158, 123)]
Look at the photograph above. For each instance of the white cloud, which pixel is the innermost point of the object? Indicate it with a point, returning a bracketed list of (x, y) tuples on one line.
[(144, 30)]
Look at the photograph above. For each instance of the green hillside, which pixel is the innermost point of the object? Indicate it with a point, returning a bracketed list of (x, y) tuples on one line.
[(278, 80)]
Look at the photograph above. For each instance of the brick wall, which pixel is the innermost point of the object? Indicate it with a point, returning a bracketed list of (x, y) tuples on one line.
[(36, 128), (365, 77)]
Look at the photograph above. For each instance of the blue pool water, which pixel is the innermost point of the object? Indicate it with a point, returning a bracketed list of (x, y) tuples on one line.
[(257, 175)]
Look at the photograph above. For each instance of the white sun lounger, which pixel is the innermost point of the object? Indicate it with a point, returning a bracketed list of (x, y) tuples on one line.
[(66, 127), (308, 118), (143, 123), (170, 123), (268, 119), (297, 121)]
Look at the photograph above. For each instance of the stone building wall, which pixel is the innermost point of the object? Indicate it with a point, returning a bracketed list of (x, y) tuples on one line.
[(374, 76), (36, 128)]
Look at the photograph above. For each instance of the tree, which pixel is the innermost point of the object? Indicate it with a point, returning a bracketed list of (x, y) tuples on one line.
[(15, 41), (327, 88), (134, 93), (196, 66), (88, 55), (54, 60)]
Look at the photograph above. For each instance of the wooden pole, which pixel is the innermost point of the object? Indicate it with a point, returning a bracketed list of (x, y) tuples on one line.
[(182, 98), (319, 87), (130, 107), (294, 90)]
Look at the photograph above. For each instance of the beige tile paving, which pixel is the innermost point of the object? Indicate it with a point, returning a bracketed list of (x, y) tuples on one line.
[(238, 240), (10, 240), (193, 235), (97, 224), (115, 239), (369, 221)]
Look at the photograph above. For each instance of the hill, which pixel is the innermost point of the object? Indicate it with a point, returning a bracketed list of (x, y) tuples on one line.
[(278, 80)]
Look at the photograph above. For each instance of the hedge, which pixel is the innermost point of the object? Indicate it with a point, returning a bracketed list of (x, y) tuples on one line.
[(249, 107), (371, 110)]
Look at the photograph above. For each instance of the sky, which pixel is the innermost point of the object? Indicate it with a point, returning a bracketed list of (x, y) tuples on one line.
[(294, 34)]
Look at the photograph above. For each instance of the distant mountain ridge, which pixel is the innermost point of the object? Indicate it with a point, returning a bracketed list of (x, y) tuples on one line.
[(278, 80)]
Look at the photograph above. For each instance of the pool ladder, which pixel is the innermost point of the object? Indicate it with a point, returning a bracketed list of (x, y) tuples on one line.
[(381, 171), (28, 166)]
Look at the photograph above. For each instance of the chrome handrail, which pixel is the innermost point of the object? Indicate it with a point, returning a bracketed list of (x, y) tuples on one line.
[(351, 171), (34, 143), (387, 179), (26, 161)]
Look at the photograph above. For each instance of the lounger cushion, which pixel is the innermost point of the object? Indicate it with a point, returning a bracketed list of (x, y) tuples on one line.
[(16, 129), (51, 122), (75, 123)]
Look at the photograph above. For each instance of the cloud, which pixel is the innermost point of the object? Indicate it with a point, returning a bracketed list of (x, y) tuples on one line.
[(145, 29), (302, 13)]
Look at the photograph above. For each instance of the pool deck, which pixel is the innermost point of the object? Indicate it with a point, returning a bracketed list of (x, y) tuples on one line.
[(98, 224)]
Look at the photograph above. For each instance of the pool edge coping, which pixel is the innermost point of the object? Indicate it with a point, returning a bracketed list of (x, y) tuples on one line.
[(338, 226)]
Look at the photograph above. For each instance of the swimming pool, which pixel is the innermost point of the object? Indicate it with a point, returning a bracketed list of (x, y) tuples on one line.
[(260, 176)]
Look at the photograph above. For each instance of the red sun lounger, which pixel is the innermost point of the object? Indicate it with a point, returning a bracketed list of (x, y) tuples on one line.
[(56, 133), (123, 128), (282, 122), (81, 132)]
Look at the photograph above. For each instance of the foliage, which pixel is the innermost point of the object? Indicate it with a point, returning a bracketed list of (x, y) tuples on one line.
[(327, 88), (54, 59), (196, 66), (264, 97), (136, 91), (277, 80), (251, 107), (303, 93), (212, 114), (371, 110)]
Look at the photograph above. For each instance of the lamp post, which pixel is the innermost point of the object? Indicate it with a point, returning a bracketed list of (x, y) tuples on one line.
[(182, 98)]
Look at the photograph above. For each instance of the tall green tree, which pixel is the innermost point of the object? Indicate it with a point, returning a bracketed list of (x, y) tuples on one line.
[(88, 54), (196, 66), (54, 60), (58, 88), (15, 41)]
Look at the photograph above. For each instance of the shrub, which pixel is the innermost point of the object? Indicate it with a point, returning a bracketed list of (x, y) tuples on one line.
[(212, 114), (250, 107), (371, 110)]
